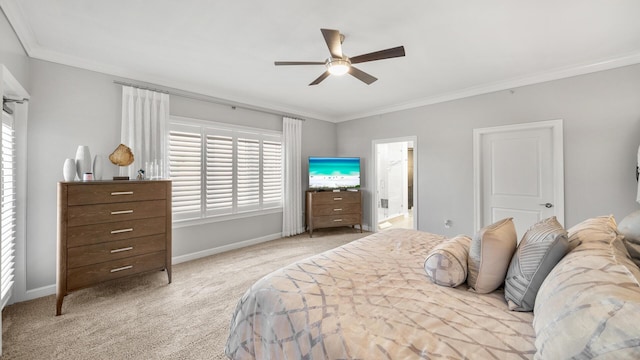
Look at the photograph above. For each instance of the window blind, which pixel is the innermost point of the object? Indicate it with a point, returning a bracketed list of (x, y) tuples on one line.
[(248, 173), (8, 211), (220, 174), (222, 170), (185, 166), (272, 173)]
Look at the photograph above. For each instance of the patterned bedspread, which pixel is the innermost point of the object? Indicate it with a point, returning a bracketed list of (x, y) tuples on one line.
[(371, 299)]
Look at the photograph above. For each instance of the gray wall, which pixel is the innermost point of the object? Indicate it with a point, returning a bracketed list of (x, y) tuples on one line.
[(71, 107), (601, 114)]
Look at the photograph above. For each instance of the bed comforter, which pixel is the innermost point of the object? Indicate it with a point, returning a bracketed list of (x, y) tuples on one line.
[(371, 299)]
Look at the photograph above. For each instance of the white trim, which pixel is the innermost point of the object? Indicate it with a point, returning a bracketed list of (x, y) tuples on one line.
[(551, 75), (223, 248), (374, 175), (558, 164), (39, 292), (219, 218), (51, 289)]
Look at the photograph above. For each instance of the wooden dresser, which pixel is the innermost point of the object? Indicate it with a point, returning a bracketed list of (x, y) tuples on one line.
[(111, 229), (330, 209)]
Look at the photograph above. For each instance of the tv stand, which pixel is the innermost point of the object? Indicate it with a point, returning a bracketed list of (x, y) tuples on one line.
[(332, 209)]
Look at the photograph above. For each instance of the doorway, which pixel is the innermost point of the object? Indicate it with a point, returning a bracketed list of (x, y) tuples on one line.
[(518, 173), (395, 176)]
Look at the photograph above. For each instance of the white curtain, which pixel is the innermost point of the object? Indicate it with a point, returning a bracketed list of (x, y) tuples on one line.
[(292, 206), (144, 118)]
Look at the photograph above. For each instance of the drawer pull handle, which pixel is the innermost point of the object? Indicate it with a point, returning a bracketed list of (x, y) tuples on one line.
[(337, 209), (122, 268), (120, 212), (337, 220), (337, 199), (121, 249), (116, 193), (121, 231)]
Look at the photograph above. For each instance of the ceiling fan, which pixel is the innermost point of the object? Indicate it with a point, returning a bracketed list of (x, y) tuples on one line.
[(340, 64)]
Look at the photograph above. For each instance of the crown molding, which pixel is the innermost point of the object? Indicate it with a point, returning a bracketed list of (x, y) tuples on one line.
[(16, 18), (556, 74), (26, 36)]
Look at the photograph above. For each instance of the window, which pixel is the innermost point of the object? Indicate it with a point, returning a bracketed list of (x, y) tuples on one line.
[(8, 211), (221, 170)]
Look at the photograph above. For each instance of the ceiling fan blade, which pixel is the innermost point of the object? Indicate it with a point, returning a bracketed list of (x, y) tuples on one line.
[(299, 63), (362, 76), (320, 78), (379, 55), (332, 38)]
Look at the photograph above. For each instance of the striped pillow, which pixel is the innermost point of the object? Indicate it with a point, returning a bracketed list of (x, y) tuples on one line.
[(542, 246)]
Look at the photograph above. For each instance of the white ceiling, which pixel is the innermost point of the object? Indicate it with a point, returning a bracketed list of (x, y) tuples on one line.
[(226, 49)]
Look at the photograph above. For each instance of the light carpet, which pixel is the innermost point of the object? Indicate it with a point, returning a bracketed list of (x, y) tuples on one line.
[(143, 317)]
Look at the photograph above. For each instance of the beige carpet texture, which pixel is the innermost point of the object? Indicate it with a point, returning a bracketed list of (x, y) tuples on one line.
[(144, 317)]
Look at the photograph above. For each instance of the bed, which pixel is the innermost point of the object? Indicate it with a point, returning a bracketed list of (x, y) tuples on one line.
[(371, 299)]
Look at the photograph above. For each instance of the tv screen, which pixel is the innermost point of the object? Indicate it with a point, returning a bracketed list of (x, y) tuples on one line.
[(334, 172)]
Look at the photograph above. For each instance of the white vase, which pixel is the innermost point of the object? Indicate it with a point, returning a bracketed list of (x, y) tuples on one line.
[(69, 170), (97, 167), (83, 160)]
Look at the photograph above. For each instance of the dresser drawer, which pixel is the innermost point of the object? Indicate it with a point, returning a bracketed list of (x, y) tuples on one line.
[(341, 197), (103, 213), (336, 220), (99, 233), (88, 275), (82, 194), (94, 254), (336, 209)]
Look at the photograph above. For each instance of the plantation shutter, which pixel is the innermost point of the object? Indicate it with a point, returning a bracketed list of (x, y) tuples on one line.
[(271, 173), (220, 173), (185, 167), (248, 159), (8, 211)]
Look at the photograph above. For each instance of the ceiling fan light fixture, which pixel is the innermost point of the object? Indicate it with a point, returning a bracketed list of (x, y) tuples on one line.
[(338, 66)]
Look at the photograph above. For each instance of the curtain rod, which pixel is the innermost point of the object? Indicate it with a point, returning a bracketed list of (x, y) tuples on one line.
[(187, 95)]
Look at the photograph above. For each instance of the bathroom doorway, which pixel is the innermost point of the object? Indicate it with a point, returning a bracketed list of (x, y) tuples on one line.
[(395, 176)]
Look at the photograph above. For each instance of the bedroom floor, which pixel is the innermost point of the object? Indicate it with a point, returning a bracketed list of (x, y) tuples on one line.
[(398, 222), (145, 318)]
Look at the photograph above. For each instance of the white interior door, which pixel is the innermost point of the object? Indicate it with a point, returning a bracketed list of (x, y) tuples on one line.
[(519, 174)]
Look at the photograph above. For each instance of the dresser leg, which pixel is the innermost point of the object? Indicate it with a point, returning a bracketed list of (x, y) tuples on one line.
[(169, 274), (59, 300)]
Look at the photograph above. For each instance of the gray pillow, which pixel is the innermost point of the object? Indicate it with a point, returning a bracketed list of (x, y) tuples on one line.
[(542, 246), (490, 254), (446, 264)]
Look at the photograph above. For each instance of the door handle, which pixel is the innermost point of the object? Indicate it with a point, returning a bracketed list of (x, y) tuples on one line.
[(547, 205)]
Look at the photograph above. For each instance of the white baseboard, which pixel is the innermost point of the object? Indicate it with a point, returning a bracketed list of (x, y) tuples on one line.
[(51, 289), (39, 292), (223, 248)]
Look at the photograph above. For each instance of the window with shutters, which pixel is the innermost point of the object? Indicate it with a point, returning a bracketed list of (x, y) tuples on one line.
[(222, 171), (8, 211)]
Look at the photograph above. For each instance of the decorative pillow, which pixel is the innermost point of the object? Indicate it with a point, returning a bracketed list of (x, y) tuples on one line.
[(490, 254), (595, 229), (589, 304), (630, 228), (540, 249), (446, 264)]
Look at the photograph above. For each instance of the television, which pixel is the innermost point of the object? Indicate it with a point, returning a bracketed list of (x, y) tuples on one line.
[(330, 173)]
